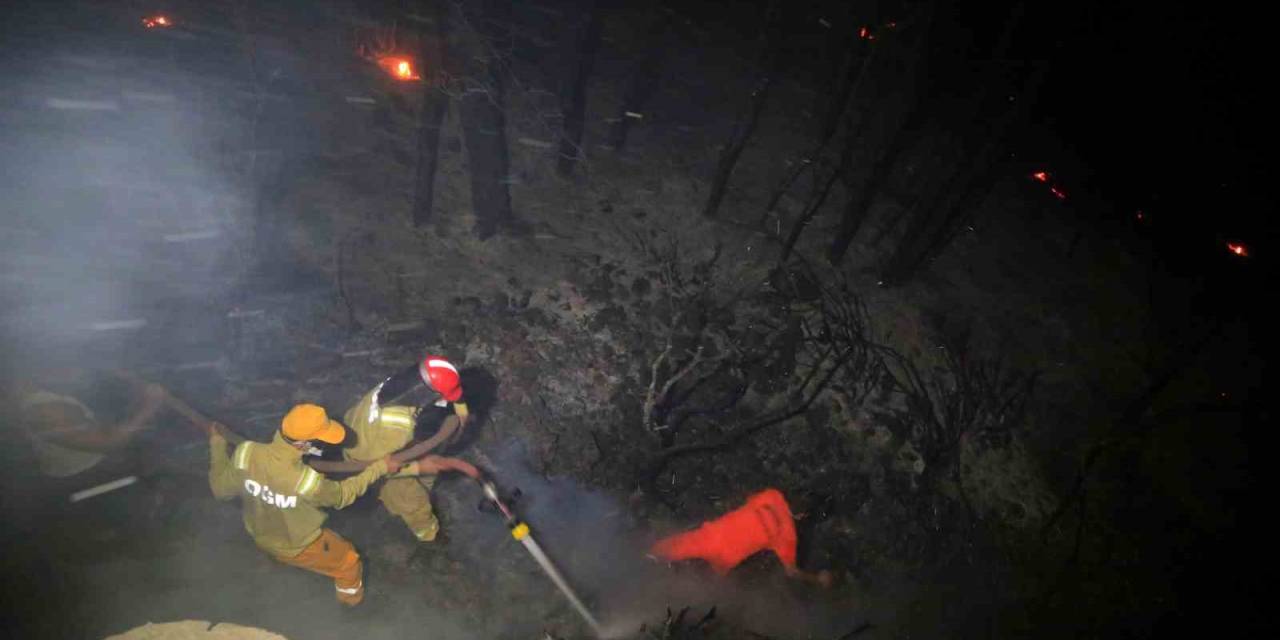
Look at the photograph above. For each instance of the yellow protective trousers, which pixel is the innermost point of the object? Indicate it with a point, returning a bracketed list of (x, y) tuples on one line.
[(408, 499)]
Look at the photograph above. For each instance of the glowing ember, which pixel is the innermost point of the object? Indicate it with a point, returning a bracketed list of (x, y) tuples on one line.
[(399, 68), (862, 33), (1058, 192), (1041, 176), (1140, 216), (156, 21), (1238, 249)]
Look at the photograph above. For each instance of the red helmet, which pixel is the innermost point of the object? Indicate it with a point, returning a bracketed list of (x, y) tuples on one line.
[(441, 376)]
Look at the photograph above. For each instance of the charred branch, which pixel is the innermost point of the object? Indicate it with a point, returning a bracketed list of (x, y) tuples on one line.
[(746, 123), (741, 433), (967, 397)]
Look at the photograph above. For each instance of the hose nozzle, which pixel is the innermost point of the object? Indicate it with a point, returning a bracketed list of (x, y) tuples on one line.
[(490, 490)]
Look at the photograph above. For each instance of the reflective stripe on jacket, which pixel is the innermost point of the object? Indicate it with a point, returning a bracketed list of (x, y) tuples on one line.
[(379, 430), (282, 499)]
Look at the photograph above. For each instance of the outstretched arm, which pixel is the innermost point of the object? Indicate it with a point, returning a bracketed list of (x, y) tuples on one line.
[(329, 493), (223, 480), (68, 426)]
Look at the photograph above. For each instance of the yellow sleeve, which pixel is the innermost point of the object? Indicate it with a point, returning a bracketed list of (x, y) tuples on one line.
[(460, 409), (323, 492), (224, 481)]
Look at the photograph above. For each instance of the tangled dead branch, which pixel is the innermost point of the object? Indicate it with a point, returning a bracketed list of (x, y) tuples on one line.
[(967, 397), (674, 626)]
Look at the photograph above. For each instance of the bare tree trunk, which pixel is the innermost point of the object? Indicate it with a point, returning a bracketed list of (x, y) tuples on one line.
[(938, 224), (812, 209), (859, 206), (573, 97), (902, 139), (856, 75), (435, 103), (960, 193), (482, 112), (840, 52), (855, 63), (746, 123), (644, 80)]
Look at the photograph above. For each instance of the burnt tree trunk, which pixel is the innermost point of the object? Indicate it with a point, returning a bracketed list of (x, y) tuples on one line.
[(812, 209), (644, 80), (855, 61), (481, 110), (840, 53), (935, 162), (937, 225), (903, 137), (435, 103), (962, 192), (582, 45), (854, 80), (747, 121), (859, 206)]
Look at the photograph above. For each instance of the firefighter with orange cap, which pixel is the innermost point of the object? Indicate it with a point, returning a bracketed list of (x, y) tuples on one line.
[(382, 428), (283, 500)]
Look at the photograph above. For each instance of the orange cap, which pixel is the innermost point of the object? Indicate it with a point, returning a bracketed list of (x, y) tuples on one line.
[(310, 422)]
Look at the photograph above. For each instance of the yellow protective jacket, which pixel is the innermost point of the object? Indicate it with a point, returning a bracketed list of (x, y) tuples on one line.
[(380, 431), (283, 500)]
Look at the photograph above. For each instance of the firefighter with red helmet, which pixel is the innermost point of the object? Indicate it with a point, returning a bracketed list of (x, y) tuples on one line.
[(383, 426)]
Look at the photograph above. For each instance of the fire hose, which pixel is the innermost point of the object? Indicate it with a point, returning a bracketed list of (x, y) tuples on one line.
[(446, 432), (521, 533)]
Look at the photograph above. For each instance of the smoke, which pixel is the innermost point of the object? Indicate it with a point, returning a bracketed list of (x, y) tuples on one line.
[(118, 216), (600, 546)]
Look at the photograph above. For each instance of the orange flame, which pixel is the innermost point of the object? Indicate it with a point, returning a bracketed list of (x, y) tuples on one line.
[(862, 33), (400, 68), (156, 21), (1041, 176), (1238, 249)]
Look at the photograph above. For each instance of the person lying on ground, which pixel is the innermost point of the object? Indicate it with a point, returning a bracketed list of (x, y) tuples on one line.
[(764, 523)]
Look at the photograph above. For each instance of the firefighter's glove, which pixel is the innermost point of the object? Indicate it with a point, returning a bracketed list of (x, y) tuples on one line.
[(464, 416), (393, 465)]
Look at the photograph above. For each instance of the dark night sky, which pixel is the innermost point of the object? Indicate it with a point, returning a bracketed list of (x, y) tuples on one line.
[(1167, 106)]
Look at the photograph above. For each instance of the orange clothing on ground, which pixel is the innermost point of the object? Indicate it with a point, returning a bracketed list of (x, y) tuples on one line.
[(765, 522), (333, 556)]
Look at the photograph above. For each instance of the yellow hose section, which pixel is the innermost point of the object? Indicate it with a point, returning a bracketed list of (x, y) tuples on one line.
[(520, 531)]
